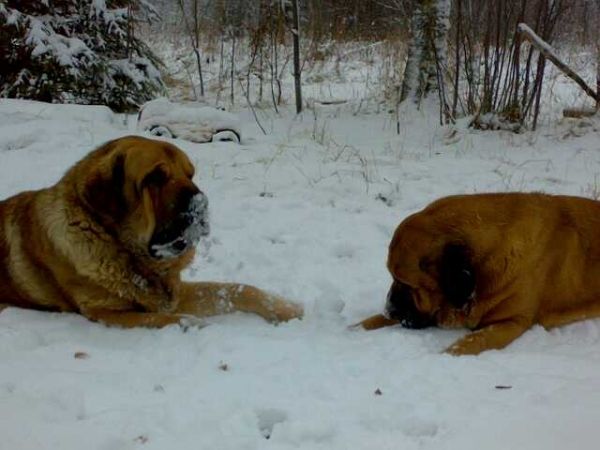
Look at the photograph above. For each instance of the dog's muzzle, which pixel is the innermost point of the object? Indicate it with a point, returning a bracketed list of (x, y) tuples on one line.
[(184, 232), (197, 215), (400, 306)]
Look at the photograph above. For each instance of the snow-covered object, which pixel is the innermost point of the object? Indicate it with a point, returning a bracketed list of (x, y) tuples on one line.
[(188, 121)]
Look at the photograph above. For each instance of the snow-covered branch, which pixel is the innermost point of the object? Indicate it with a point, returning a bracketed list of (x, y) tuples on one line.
[(547, 50)]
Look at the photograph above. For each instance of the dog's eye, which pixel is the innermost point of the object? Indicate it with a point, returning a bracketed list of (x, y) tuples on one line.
[(157, 177)]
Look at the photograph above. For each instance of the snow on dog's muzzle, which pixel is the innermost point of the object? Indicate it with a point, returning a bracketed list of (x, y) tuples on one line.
[(198, 215)]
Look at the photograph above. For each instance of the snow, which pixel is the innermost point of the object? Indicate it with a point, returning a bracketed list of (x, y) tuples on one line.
[(137, 69), (308, 216), (21, 111), (43, 39)]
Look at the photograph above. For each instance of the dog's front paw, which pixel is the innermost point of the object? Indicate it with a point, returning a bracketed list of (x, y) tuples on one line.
[(471, 344), (284, 311), (375, 322), (186, 322)]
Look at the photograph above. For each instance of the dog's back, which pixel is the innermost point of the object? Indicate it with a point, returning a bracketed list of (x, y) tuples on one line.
[(25, 279), (12, 211), (546, 245)]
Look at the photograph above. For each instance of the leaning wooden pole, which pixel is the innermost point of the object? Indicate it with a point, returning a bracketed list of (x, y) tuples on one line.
[(546, 50)]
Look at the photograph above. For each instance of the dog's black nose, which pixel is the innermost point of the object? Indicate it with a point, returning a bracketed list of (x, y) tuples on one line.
[(416, 322), (184, 203), (400, 306), (398, 297)]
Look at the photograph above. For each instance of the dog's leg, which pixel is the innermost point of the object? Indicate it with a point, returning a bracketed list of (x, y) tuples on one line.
[(494, 336), (559, 319), (129, 319), (209, 299), (376, 322)]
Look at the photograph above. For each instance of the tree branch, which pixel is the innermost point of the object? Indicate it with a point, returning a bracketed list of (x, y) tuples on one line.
[(546, 50)]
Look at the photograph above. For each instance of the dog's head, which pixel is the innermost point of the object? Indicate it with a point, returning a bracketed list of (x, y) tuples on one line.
[(434, 277), (141, 191)]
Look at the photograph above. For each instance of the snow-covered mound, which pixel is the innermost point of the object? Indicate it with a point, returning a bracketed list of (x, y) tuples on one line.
[(18, 111), (191, 122), (35, 137)]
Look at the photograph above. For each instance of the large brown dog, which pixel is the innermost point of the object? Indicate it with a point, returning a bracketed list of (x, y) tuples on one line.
[(110, 239), (496, 264)]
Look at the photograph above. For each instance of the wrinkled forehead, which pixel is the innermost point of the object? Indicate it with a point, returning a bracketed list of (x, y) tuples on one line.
[(144, 156), (402, 258), (410, 244)]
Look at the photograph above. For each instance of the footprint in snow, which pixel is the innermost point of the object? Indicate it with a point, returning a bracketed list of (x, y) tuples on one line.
[(268, 418), (343, 250), (419, 428)]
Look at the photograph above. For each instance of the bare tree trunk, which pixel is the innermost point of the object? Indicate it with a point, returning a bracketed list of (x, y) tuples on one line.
[(584, 30), (273, 60), (276, 66), (515, 85), (597, 38), (276, 70), (457, 56), (260, 79), (411, 83), (193, 30), (539, 83), (251, 66), (221, 58), (232, 67), (221, 68), (199, 64), (197, 30), (297, 68), (598, 74)]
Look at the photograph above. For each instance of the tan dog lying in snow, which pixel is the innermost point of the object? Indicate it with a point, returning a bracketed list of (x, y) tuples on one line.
[(496, 264), (111, 238)]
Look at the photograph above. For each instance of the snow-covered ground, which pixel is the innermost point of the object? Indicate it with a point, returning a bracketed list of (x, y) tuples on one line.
[(306, 212)]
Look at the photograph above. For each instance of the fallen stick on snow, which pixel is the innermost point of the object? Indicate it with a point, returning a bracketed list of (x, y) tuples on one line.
[(575, 113), (331, 102)]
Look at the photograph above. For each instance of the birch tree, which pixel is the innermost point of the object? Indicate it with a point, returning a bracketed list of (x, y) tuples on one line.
[(423, 74)]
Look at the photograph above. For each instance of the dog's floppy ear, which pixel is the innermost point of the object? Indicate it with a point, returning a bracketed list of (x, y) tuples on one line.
[(456, 274), (103, 190)]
